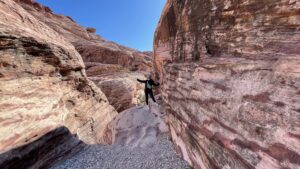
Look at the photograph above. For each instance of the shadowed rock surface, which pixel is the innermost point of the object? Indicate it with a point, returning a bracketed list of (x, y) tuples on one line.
[(230, 74), (43, 86), (122, 88), (43, 153)]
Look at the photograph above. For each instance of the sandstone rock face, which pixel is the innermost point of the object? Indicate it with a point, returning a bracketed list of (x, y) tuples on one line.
[(230, 74), (43, 84), (122, 89), (139, 126), (102, 58), (92, 47), (118, 83)]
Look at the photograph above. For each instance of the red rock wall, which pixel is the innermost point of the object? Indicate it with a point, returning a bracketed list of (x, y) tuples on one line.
[(230, 73), (43, 86), (92, 47), (102, 58)]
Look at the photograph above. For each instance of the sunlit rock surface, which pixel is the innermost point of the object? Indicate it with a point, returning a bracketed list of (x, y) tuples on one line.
[(98, 54), (230, 73), (139, 126), (43, 86)]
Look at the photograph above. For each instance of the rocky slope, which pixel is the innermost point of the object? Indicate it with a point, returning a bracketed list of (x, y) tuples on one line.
[(43, 86), (230, 73), (140, 140), (105, 60), (139, 126)]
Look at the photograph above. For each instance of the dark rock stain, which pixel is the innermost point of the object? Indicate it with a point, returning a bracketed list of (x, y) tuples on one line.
[(262, 97)]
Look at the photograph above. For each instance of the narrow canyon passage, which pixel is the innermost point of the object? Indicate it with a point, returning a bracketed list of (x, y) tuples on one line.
[(229, 94), (140, 140), (62, 87)]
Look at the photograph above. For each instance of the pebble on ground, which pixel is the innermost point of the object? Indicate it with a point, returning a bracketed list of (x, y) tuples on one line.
[(160, 155)]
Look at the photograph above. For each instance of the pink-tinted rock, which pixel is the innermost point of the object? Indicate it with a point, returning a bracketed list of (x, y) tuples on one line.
[(94, 69), (139, 126), (92, 47), (230, 74), (43, 86), (122, 89), (101, 57)]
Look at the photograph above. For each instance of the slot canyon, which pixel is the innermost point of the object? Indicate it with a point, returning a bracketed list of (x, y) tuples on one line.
[(229, 93)]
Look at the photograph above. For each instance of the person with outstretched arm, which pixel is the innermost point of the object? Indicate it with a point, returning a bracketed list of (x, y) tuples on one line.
[(148, 87)]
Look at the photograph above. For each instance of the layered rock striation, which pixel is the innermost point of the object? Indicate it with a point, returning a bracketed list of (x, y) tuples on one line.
[(92, 47), (104, 59), (230, 74), (43, 87)]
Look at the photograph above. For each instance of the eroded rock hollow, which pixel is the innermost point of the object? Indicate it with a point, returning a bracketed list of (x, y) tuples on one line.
[(230, 74)]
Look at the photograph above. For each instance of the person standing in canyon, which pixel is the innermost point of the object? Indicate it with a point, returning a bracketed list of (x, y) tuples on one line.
[(149, 83)]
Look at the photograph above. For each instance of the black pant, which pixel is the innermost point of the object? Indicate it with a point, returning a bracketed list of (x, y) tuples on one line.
[(149, 92)]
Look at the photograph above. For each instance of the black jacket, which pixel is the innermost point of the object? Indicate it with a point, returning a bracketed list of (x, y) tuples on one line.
[(150, 81)]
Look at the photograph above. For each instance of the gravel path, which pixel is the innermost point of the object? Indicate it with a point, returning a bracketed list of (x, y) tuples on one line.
[(158, 156), (140, 141)]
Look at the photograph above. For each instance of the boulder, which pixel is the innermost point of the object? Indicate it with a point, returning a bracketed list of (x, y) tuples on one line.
[(139, 126)]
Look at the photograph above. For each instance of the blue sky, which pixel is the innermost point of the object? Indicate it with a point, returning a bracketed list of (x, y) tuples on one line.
[(128, 22)]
